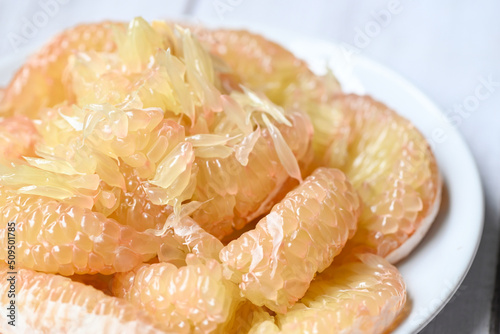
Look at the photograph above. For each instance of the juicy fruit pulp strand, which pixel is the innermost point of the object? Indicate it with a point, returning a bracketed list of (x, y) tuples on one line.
[(51, 303), (60, 238), (39, 82), (275, 263)]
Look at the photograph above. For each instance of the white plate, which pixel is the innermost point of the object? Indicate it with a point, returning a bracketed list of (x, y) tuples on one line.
[(435, 270), (437, 267)]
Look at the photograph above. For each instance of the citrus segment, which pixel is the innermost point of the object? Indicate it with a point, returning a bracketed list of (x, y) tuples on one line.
[(191, 299), (61, 238), (39, 82), (238, 193), (126, 150), (267, 67), (275, 263), (48, 303), (362, 296), (392, 166)]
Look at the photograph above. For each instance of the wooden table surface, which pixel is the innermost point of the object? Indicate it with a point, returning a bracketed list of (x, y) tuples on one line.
[(444, 47)]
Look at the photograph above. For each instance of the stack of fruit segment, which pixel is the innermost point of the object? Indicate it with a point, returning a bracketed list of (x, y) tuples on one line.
[(127, 153)]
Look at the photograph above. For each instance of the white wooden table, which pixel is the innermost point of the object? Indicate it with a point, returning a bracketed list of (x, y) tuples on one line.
[(444, 47)]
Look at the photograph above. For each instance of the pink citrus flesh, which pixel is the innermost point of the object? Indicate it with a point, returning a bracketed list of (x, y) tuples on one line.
[(274, 263), (364, 295), (125, 146), (393, 169), (194, 298), (47, 303)]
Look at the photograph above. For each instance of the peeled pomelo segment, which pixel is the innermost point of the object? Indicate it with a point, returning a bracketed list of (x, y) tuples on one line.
[(253, 60), (275, 263), (39, 82), (57, 237), (239, 193), (18, 137), (267, 67), (392, 166), (364, 295), (191, 299), (47, 303)]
